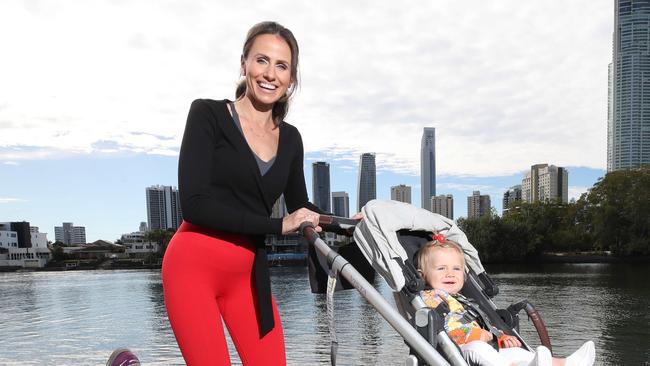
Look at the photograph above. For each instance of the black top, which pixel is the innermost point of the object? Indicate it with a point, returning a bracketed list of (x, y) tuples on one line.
[(263, 165), (221, 187)]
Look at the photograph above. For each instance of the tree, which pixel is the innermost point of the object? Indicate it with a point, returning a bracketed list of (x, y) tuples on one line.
[(162, 237), (58, 254), (619, 206)]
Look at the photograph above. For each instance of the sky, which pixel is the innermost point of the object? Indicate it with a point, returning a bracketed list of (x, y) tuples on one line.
[(94, 95)]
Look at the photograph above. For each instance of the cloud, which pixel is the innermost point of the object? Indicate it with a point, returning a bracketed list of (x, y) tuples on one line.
[(10, 200), (466, 187), (11, 163), (576, 191), (505, 84)]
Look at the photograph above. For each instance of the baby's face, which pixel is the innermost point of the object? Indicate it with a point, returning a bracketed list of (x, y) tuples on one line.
[(445, 270)]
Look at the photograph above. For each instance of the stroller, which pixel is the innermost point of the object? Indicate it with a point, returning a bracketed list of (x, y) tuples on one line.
[(388, 237)]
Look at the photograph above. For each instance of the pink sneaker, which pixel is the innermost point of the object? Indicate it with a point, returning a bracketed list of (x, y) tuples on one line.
[(123, 357)]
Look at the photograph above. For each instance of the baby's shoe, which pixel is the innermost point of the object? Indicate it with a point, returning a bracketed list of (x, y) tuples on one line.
[(584, 356)]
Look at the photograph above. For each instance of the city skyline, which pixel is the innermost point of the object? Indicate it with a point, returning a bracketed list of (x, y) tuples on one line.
[(496, 187), (113, 101)]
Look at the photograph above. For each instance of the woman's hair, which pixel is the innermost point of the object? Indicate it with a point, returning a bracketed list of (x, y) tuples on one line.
[(281, 107), (424, 255)]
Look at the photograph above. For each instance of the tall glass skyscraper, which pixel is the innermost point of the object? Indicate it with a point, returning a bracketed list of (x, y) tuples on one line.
[(428, 166), (367, 186), (629, 126), (320, 182)]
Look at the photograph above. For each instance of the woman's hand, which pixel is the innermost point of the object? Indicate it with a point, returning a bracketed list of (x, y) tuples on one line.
[(357, 216), (508, 341), (292, 222)]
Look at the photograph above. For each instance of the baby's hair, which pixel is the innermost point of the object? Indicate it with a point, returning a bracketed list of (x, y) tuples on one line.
[(424, 255)]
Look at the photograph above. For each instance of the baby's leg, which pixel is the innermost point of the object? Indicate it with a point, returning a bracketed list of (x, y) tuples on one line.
[(482, 354), (520, 356)]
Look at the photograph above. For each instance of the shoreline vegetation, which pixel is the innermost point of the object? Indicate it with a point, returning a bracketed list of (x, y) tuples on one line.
[(612, 218)]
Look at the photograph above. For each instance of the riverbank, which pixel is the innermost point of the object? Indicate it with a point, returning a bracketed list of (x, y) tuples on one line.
[(571, 257), (82, 265)]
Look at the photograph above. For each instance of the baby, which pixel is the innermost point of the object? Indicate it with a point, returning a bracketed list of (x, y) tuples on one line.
[(442, 265)]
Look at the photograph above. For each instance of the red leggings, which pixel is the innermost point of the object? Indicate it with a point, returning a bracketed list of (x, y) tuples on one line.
[(207, 276)]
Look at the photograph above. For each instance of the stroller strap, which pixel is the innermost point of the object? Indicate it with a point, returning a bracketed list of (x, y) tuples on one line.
[(474, 312), (331, 288)]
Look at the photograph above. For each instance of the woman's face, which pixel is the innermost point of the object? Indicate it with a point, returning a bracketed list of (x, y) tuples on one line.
[(267, 69), (445, 270)]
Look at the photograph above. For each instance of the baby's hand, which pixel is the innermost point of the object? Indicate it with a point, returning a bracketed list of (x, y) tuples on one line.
[(486, 335), (508, 341)]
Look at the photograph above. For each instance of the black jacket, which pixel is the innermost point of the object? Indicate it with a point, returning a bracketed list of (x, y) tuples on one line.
[(221, 187)]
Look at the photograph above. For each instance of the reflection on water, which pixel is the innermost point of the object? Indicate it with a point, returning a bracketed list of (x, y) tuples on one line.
[(77, 318), (364, 337), (607, 303)]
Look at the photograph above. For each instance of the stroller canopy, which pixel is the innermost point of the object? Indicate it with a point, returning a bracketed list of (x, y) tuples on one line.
[(376, 236)]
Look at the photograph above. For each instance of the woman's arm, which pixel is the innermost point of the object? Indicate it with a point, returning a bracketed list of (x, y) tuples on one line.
[(200, 203)]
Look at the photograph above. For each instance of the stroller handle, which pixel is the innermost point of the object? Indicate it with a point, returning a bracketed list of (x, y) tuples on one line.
[(340, 265), (337, 225)]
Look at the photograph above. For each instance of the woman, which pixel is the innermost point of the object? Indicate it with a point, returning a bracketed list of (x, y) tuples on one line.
[(236, 159)]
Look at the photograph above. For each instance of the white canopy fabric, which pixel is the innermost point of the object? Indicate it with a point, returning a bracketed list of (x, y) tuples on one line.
[(376, 236)]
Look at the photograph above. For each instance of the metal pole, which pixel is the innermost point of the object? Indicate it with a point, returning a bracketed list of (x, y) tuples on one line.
[(403, 327)]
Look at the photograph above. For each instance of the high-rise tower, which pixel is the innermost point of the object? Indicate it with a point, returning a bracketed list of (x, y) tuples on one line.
[(367, 185), (443, 205), (511, 196), (428, 166), (320, 180), (340, 204), (545, 183), (628, 139), (69, 234), (163, 207), (478, 205), (401, 193)]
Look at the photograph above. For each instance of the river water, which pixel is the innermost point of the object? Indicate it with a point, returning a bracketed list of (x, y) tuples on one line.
[(78, 317)]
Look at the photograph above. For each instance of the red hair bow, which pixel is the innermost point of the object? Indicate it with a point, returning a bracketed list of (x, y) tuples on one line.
[(439, 238)]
